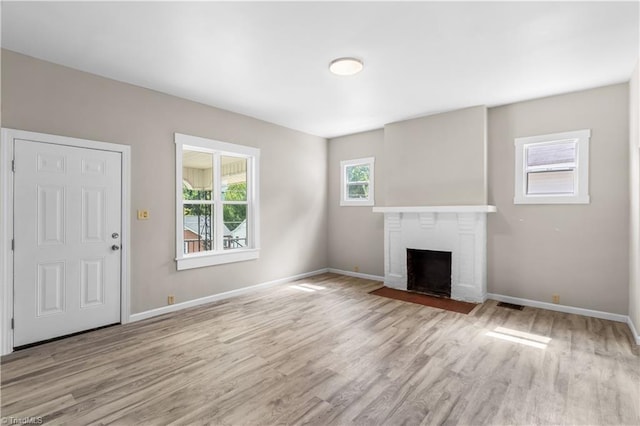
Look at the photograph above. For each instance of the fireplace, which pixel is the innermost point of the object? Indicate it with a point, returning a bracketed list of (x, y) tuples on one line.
[(460, 231), (429, 271)]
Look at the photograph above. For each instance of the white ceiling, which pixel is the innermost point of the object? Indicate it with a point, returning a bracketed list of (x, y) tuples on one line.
[(270, 60)]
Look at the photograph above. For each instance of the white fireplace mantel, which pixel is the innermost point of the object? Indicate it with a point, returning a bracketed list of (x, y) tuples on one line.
[(461, 230), (436, 209)]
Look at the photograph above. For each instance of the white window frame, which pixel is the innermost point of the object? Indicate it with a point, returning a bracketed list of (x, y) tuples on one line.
[(219, 256), (370, 200), (581, 175)]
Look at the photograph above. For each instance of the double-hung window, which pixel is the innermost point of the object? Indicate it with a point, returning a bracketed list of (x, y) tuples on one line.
[(553, 169), (356, 182), (216, 202)]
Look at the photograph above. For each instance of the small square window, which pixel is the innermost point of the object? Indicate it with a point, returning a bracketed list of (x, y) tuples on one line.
[(356, 182), (553, 169)]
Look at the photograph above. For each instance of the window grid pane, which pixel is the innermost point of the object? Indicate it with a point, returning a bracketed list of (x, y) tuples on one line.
[(357, 191), (233, 178), (197, 175), (551, 182), (234, 226), (551, 155), (198, 223), (357, 173)]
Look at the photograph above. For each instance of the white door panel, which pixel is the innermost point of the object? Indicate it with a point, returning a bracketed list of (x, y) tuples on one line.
[(67, 207)]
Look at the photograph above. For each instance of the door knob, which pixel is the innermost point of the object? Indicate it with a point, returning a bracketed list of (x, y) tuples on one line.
[(115, 247), (115, 235)]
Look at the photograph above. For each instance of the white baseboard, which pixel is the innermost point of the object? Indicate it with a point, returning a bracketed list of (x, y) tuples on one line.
[(356, 274), (559, 308), (569, 310), (220, 296), (634, 330)]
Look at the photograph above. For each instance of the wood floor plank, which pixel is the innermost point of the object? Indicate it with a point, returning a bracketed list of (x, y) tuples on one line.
[(331, 354)]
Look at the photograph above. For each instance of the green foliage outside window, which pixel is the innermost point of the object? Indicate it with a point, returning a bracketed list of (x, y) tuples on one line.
[(358, 181), (358, 173), (195, 194), (234, 214)]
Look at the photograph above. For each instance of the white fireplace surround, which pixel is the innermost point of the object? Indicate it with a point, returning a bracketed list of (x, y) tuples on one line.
[(461, 230)]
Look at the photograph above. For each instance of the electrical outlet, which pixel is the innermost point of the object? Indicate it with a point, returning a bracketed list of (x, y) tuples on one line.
[(171, 299), (143, 214), (356, 269), (555, 298)]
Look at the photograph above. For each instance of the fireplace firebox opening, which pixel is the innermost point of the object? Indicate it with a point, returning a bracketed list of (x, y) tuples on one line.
[(429, 271)]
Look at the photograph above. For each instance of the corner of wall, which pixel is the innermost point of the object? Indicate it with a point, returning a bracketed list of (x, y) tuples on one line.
[(486, 154), (362, 255), (2, 313), (634, 195)]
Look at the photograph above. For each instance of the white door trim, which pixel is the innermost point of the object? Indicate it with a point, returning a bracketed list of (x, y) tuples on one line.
[(6, 222)]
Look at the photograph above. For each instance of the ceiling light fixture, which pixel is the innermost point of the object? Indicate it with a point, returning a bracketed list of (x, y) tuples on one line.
[(346, 66)]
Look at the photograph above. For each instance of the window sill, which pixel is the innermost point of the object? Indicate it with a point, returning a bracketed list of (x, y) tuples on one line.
[(364, 203), (550, 199), (216, 258)]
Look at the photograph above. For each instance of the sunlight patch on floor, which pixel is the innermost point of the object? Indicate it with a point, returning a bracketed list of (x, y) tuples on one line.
[(529, 339), (299, 287), (313, 286)]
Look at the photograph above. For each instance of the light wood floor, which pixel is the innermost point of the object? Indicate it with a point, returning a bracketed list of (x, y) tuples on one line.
[(336, 355)]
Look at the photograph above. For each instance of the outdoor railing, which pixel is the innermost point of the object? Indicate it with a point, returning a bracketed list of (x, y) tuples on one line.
[(228, 242)]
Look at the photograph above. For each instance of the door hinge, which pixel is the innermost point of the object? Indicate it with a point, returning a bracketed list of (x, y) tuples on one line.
[(13, 245), (12, 324), (13, 165)]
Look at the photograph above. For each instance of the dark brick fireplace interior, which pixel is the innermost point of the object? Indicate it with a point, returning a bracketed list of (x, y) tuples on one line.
[(429, 271)]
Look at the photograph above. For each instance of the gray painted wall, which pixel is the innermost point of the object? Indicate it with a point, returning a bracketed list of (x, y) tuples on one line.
[(437, 160), (356, 236), (634, 173), (42, 97), (577, 251), (580, 252)]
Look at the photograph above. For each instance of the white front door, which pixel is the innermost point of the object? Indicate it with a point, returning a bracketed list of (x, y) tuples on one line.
[(67, 227)]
